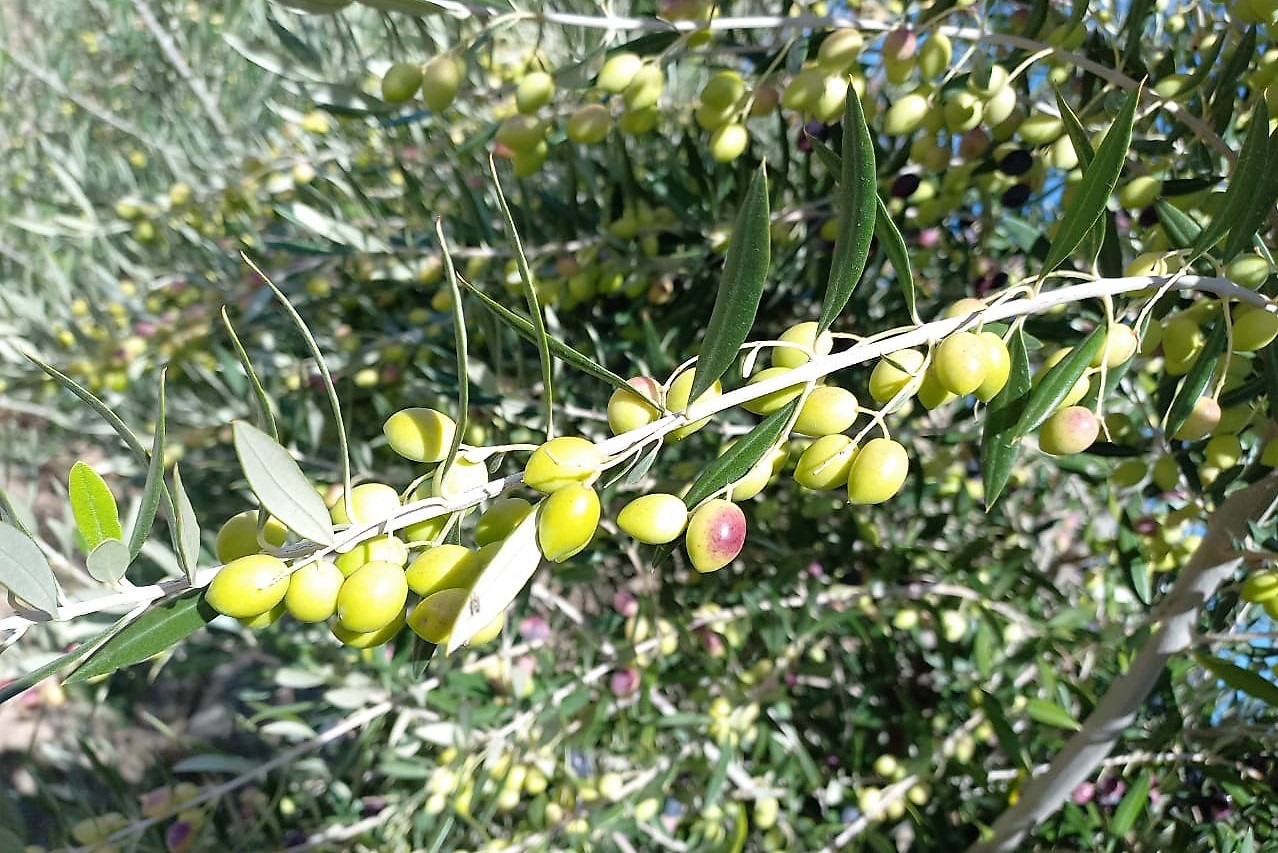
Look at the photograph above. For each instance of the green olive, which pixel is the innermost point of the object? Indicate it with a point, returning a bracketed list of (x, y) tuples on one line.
[(372, 598), (445, 566), (312, 591), (560, 462), (566, 521), (249, 586), (654, 519)]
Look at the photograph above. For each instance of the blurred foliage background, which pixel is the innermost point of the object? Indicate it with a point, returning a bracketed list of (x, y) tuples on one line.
[(863, 678)]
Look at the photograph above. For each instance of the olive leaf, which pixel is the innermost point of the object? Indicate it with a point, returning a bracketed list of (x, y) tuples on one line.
[(506, 574), (858, 202), (25, 570), (160, 628), (280, 485), (93, 506), (999, 444)]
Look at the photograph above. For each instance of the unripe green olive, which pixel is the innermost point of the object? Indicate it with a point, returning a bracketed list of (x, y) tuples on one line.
[(400, 82), (878, 472), (713, 118), (654, 519), (893, 372), (998, 367), (434, 616), (932, 394), (500, 519), (520, 132), (825, 463), (445, 566), (723, 90), (804, 335), (1166, 473), (264, 620), (423, 435), (677, 401), (639, 122), (441, 78), (960, 362), (645, 88), (1249, 270), (1140, 191), (534, 91), (238, 536), (829, 104), (589, 125), (1041, 129), (769, 403), (1071, 430), (312, 591), (618, 71), (489, 632), (560, 462), (803, 92), (1080, 387), (1000, 113), (758, 477), (827, 410), (248, 586), (462, 476), (566, 521), (728, 142), (387, 548), (370, 502), (1202, 420), (1222, 451), (1120, 344), (716, 534), (905, 115), (368, 639), (1129, 473), (987, 80), (628, 410), (1254, 330), (1259, 587), (935, 56), (839, 50), (372, 598), (962, 112)]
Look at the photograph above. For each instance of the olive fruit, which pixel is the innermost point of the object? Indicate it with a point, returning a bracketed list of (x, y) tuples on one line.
[(445, 566), (400, 82), (723, 90), (905, 115), (489, 632), (716, 534), (441, 78), (1073, 429), (827, 410), (808, 342), (368, 639), (422, 435), (618, 72), (677, 401), (1182, 341), (1254, 330), (1259, 587), (628, 410), (1223, 451), (654, 519), (370, 502), (434, 616), (534, 91), (825, 463), (932, 394), (561, 462), (238, 536), (998, 367), (728, 142), (387, 548), (589, 125), (1204, 418), (1249, 270), (960, 362), (248, 586), (1140, 191), (500, 519), (372, 597), (461, 476), (264, 620), (759, 475), (839, 50), (893, 372), (312, 591), (773, 400), (566, 521), (878, 471)]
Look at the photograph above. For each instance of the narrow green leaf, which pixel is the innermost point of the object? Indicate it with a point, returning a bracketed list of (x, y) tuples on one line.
[(1003, 731), (25, 570), (1196, 380), (187, 526), (336, 231), (108, 561), (1132, 804), (1054, 386), (154, 480), (500, 581), (740, 830), (460, 347), (1099, 179), (93, 506), (104, 411), (160, 628), (1245, 680), (741, 457), (893, 245), (1138, 574), (1262, 201), (858, 202), (524, 328), (740, 288), (1180, 227), (1050, 714), (280, 484), (31, 679), (999, 444), (1224, 96), (1077, 134), (541, 339), (1248, 174), (265, 416)]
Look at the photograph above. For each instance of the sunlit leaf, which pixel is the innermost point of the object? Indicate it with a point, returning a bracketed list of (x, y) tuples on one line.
[(108, 561), (893, 245), (93, 506), (280, 485), (500, 581), (1050, 714), (154, 486), (187, 526), (1247, 681)]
